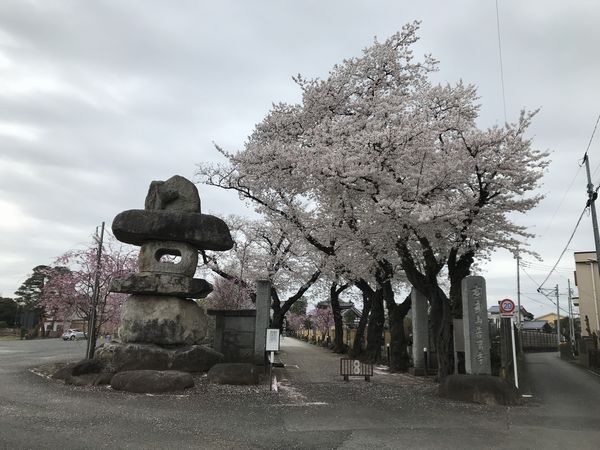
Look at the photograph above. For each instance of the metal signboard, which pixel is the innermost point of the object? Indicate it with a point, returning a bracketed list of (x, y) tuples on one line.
[(272, 344), (507, 307), (354, 368)]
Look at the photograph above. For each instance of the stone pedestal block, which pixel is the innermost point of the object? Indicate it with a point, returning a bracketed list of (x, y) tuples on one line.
[(149, 283), (163, 321), (152, 381), (484, 389), (149, 259), (203, 231), (234, 334), (189, 358)]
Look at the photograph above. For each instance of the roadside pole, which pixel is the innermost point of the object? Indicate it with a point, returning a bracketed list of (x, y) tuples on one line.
[(571, 324), (272, 343), (592, 204), (557, 320), (507, 308), (91, 344), (514, 353), (519, 303)]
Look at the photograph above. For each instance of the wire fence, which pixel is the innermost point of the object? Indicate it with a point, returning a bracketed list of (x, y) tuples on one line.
[(539, 341)]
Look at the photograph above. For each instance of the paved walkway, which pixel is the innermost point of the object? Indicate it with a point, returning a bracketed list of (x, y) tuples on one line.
[(307, 363)]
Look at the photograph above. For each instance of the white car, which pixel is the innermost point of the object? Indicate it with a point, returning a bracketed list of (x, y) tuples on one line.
[(71, 335)]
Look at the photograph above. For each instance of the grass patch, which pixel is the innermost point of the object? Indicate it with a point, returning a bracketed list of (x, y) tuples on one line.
[(9, 338)]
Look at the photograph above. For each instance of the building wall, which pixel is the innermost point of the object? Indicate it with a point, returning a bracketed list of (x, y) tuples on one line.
[(588, 284), (550, 317)]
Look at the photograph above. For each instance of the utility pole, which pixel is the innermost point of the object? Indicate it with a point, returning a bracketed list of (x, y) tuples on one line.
[(557, 320), (519, 303), (91, 345), (591, 203), (571, 324)]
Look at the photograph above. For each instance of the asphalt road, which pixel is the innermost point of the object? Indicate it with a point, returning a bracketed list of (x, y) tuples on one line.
[(313, 408)]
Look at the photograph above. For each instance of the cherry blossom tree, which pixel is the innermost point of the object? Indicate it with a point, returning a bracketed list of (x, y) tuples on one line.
[(380, 163), (69, 292), (321, 320), (263, 250), (296, 322), (227, 294)]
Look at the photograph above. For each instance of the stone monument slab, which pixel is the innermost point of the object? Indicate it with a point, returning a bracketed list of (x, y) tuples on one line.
[(475, 326)]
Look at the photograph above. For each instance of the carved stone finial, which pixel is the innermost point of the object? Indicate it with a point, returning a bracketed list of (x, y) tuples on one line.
[(175, 194)]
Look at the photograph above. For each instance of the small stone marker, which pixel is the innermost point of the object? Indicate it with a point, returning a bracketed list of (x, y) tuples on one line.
[(475, 326), (263, 306)]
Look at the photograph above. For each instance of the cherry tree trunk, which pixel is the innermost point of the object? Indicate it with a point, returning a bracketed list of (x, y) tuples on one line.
[(399, 358), (334, 296), (277, 308), (277, 320), (458, 269), (372, 353), (359, 338), (441, 328)]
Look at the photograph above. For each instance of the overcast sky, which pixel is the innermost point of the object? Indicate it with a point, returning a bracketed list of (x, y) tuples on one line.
[(98, 98)]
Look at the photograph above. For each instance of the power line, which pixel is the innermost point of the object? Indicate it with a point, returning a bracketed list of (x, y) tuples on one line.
[(566, 246), (528, 276), (544, 267), (540, 293), (575, 177), (534, 300), (591, 138), (561, 201), (500, 56), (542, 302)]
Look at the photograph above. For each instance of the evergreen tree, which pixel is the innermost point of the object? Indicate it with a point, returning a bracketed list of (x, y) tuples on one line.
[(8, 311)]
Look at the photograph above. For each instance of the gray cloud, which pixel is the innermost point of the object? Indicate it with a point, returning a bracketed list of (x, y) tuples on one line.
[(98, 98)]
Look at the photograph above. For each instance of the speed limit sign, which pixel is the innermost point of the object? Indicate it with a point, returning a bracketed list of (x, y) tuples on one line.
[(507, 307)]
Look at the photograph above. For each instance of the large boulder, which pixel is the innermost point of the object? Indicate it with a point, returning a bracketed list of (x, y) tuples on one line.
[(203, 231), (87, 372), (161, 284), (234, 373), (175, 194), (152, 381), (163, 320), (193, 358), (485, 389)]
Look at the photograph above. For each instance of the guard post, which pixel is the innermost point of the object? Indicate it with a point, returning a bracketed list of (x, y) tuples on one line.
[(272, 346), (507, 309)]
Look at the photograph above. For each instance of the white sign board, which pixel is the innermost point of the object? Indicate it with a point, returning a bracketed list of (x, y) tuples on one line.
[(272, 344)]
